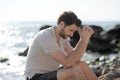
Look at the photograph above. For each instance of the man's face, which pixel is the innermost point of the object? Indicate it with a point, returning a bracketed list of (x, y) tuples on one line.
[(68, 31)]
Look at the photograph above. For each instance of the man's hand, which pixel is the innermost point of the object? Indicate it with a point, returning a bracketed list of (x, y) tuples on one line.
[(85, 33)]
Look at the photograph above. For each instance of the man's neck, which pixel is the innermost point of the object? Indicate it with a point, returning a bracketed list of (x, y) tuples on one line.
[(57, 33)]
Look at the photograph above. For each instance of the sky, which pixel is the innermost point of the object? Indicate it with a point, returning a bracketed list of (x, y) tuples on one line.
[(49, 10)]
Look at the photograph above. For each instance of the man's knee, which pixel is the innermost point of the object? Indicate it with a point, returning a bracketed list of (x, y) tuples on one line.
[(64, 73), (72, 72), (69, 73), (77, 68)]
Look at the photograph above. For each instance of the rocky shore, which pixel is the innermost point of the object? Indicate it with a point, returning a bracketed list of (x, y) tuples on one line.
[(104, 67)]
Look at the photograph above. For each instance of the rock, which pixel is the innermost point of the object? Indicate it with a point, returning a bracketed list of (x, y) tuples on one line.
[(3, 59), (106, 41), (112, 75), (24, 53), (97, 71), (45, 27)]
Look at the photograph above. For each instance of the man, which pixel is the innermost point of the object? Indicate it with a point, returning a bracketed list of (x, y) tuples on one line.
[(50, 49)]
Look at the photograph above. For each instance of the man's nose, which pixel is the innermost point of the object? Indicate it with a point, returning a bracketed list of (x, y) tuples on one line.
[(71, 34)]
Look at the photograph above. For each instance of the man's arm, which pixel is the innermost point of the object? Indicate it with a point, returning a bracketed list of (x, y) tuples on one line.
[(69, 50), (77, 53)]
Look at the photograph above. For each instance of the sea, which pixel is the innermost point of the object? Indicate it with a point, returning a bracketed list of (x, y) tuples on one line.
[(15, 37)]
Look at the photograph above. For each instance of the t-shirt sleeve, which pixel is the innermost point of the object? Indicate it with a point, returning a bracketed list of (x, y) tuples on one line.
[(49, 45)]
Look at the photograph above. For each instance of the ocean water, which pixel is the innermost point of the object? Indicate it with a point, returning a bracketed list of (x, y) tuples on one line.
[(15, 37)]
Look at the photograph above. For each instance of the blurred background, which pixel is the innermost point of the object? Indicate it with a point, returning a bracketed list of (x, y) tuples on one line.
[(20, 20)]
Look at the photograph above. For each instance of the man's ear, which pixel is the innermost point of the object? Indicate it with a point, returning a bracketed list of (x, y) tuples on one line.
[(62, 24)]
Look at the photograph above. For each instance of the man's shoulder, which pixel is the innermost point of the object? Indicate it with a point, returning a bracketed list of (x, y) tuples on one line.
[(46, 34)]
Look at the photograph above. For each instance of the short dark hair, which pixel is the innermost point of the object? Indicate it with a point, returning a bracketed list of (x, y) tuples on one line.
[(69, 17)]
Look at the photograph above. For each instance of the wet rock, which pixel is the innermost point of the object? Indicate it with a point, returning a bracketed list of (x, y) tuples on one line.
[(2, 59), (112, 75), (24, 53)]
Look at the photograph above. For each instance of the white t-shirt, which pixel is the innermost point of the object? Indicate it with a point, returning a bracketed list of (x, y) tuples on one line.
[(38, 60)]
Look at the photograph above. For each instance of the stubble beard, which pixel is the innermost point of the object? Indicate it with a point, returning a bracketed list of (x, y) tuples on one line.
[(62, 33)]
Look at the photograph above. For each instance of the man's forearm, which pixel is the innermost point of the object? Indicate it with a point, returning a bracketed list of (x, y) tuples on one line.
[(78, 51), (81, 46)]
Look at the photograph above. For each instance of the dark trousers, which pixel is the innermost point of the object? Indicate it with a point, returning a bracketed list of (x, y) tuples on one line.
[(47, 76)]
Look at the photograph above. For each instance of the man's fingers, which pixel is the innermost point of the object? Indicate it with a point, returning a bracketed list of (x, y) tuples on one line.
[(89, 29)]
